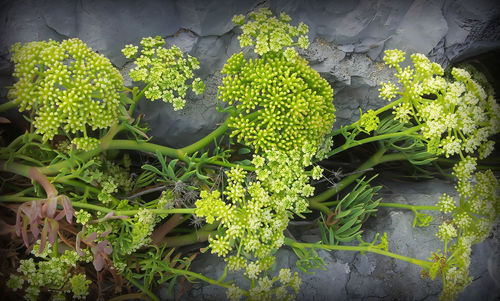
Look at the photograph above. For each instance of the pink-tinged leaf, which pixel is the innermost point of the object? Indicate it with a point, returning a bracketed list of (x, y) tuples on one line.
[(105, 233), (108, 250), (60, 215), (105, 247), (34, 229), (43, 239), (19, 221), (51, 206), (36, 209), (68, 208), (98, 262), (92, 236), (77, 245), (109, 215), (24, 231), (54, 227)]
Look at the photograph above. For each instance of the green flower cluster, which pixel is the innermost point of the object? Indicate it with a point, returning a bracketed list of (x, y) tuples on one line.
[(254, 213), (472, 219), (143, 228), (266, 288), (51, 273), (86, 143), (369, 121), (165, 71), (294, 102), (270, 34), (67, 86), (458, 115), (111, 177)]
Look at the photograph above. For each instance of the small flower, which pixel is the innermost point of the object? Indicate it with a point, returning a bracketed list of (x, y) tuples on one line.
[(303, 42), (86, 143), (15, 282), (393, 57), (388, 91), (369, 121), (285, 276), (317, 172), (130, 50), (460, 74), (446, 203), (234, 293), (285, 18), (446, 232), (79, 286), (403, 112)]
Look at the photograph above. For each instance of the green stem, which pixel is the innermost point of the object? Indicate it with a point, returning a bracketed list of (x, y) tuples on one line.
[(410, 207), (141, 287), (382, 109), (7, 106), (422, 263), (198, 276), (130, 297), (20, 199), (171, 152), (55, 168), (372, 161), (188, 239), (351, 144)]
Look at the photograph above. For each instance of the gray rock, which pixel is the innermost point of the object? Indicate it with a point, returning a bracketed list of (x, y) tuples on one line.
[(421, 29)]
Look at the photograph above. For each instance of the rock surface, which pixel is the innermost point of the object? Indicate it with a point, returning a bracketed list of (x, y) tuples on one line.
[(349, 38), (353, 276)]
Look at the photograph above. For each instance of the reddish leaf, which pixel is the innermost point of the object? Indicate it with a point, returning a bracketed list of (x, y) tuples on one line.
[(54, 227), (25, 231), (43, 239), (98, 262), (68, 208), (50, 207), (77, 245), (103, 234)]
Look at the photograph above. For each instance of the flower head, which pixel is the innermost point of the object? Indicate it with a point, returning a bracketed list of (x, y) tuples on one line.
[(68, 86), (166, 71)]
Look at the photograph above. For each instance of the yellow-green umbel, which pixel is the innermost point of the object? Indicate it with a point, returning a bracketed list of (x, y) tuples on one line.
[(294, 102), (69, 87)]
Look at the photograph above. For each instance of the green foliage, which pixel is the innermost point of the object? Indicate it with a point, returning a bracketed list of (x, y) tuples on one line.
[(344, 223), (68, 87)]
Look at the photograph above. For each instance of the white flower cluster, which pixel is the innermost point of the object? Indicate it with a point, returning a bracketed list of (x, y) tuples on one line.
[(458, 115)]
